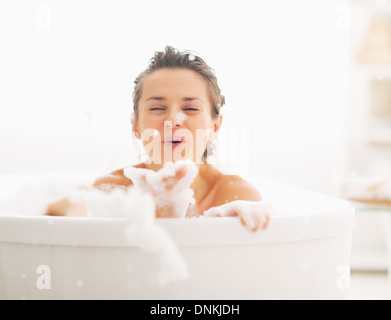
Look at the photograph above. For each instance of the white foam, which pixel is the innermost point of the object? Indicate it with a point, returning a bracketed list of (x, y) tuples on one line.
[(34, 197), (154, 238), (254, 214), (180, 117), (165, 188), (139, 208)]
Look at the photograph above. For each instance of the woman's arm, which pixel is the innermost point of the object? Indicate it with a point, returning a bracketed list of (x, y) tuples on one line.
[(235, 197), (115, 179), (64, 207)]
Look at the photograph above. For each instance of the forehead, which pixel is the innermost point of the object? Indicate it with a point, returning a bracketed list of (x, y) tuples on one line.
[(175, 83)]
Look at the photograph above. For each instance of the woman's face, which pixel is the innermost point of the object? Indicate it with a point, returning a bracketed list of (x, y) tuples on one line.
[(174, 116)]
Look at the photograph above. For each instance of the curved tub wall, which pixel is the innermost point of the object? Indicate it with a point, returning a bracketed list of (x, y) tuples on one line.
[(305, 254)]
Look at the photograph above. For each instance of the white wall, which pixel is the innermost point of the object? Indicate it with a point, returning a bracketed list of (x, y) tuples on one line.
[(67, 71)]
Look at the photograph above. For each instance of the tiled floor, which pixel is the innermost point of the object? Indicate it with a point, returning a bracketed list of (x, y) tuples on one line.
[(370, 286)]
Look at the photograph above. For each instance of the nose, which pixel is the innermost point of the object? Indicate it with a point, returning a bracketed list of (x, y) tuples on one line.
[(175, 120)]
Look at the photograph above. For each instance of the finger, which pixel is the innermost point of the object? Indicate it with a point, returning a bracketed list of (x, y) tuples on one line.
[(180, 173), (171, 181), (251, 220), (211, 213), (243, 221), (257, 223), (170, 186), (231, 212), (266, 224)]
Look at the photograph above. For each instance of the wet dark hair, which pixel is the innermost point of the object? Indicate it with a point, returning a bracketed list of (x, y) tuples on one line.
[(172, 58)]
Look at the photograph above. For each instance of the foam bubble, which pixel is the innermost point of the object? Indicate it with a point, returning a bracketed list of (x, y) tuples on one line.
[(79, 283), (180, 117)]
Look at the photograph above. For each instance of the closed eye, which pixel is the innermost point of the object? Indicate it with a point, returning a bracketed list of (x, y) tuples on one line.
[(191, 109), (156, 109)]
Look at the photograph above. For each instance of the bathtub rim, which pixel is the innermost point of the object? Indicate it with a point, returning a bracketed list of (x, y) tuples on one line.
[(88, 231)]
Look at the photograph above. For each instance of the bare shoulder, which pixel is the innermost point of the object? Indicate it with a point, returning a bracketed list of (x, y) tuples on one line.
[(115, 178), (233, 187)]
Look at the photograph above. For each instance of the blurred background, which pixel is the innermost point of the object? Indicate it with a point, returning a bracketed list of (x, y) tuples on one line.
[(307, 85), (67, 72)]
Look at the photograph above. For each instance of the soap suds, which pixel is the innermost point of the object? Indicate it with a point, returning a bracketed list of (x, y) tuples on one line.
[(125, 203), (170, 186), (180, 117), (153, 238), (33, 197), (139, 208)]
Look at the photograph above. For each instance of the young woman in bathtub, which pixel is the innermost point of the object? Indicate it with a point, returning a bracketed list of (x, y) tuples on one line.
[(177, 102)]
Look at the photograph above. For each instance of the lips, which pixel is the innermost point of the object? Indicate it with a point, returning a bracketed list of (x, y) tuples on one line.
[(174, 140)]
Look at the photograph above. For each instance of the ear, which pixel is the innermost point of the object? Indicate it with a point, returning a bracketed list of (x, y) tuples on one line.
[(217, 125), (135, 129)]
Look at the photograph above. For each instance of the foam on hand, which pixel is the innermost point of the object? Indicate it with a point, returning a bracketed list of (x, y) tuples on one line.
[(166, 186), (139, 208), (254, 215)]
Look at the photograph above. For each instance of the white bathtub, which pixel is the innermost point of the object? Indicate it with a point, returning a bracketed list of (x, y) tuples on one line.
[(305, 254)]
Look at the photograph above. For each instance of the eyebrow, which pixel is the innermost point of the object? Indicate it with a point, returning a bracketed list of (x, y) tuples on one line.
[(184, 99), (156, 98)]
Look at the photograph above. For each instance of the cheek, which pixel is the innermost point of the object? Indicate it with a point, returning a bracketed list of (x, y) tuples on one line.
[(203, 121), (208, 126), (203, 132), (146, 123)]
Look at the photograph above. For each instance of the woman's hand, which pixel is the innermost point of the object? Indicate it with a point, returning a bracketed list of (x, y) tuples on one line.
[(170, 186), (254, 215)]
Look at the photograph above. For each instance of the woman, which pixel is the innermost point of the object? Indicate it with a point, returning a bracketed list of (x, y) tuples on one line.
[(177, 103)]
